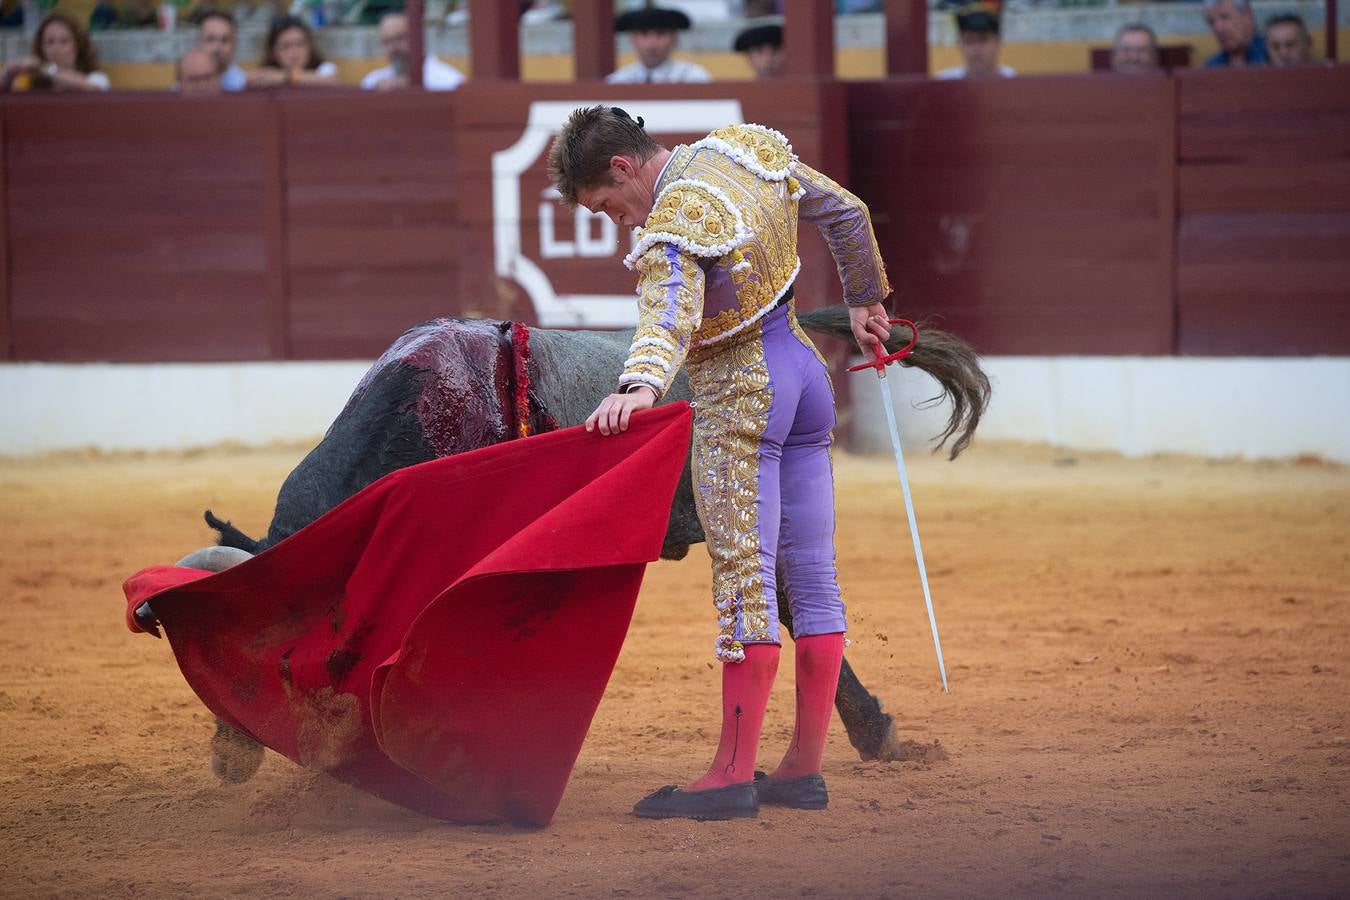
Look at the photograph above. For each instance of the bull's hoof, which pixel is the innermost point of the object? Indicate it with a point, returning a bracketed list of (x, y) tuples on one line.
[(872, 734), (888, 746), (235, 757)]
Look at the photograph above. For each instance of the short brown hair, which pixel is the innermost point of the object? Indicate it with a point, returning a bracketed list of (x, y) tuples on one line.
[(86, 58), (579, 157), (274, 31)]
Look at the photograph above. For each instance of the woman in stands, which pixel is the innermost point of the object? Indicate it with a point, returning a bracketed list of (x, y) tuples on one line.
[(62, 60), (292, 59)]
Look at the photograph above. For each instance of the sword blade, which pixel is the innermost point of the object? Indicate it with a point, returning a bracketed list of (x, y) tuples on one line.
[(913, 525)]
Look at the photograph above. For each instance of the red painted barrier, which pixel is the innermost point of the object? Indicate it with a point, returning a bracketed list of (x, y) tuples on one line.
[(1263, 237), (1208, 213), (1031, 218), (137, 229)]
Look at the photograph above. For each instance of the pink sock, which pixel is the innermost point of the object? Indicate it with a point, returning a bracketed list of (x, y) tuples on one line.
[(818, 660), (745, 696)]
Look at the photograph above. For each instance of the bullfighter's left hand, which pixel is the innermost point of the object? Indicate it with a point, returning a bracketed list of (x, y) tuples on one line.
[(612, 415)]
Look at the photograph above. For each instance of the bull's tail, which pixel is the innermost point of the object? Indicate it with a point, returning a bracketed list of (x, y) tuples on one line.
[(950, 360), (231, 536)]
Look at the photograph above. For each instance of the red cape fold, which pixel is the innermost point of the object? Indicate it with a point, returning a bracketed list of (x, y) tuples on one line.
[(441, 639)]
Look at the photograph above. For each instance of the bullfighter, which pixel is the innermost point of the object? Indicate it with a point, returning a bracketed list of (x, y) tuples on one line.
[(716, 259)]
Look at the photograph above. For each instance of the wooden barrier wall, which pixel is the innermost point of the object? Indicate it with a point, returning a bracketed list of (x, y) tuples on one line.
[(1031, 218), (1205, 214), (136, 235), (371, 218), (1263, 237)]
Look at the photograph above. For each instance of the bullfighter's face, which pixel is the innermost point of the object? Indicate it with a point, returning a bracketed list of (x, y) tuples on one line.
[(626, 198)]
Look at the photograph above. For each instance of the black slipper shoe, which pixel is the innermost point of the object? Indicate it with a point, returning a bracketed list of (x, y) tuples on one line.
[(735, 801), (806, 792)]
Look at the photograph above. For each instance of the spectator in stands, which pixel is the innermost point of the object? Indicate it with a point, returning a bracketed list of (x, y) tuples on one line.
[(62, 60), (11, 14), (138, 14), (198, 73), (436, 75), (199, 12), (217, 36), (1234, 28), (1135, 49), (1288, 42), (292, 59), (978, 26), (251, 14), (763, 49), (654, 32), (532, 12), (103, 16)]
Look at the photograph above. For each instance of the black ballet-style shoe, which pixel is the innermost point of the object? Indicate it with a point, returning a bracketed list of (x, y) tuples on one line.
[(736, 801), (806, 792)]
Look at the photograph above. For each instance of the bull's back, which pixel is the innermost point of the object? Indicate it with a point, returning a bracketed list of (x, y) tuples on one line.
[(574, 370), (439, 390)]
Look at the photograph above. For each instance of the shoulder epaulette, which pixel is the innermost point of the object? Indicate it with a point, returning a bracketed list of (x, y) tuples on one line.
[(695, 216)]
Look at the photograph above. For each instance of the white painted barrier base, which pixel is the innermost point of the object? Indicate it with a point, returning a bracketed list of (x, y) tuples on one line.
[(1253, 408), (1218, 407), (168, 406)]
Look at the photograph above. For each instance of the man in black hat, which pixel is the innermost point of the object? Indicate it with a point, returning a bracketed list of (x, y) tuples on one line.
[(763, 49), (654, 32), (978, 27)]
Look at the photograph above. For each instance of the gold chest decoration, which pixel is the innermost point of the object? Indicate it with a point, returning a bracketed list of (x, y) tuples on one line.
[(734, 200)]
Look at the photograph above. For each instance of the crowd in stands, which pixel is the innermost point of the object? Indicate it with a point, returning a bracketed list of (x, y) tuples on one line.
[(63, 58)]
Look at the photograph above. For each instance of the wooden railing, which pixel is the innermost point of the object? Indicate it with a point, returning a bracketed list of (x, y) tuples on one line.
[(1207, 213)]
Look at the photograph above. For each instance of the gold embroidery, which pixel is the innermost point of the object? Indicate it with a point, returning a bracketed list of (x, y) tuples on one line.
[(695, 217), (771, 250), (769, 151), (734, 396), (670, 308)]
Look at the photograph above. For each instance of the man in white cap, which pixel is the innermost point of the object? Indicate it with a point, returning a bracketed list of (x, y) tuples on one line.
[(654, 32)]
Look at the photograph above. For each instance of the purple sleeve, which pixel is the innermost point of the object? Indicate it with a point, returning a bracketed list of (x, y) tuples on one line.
[(844, 223)]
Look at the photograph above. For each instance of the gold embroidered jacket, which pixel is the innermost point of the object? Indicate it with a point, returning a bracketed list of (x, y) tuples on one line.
[(720, 246)]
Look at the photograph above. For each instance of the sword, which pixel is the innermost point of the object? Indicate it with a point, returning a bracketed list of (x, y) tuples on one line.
[(879, 364)]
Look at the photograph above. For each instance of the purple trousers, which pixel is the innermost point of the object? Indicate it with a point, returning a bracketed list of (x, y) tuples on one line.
[(763, 483)]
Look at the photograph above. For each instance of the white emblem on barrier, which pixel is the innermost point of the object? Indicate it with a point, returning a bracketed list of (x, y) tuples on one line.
[(546, 119)]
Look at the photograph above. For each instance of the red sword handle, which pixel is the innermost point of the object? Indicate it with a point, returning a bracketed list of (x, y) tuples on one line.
[(882, 361)]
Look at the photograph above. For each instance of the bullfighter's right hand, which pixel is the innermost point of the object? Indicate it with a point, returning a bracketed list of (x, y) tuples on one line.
[(611, 416), (871, 328)]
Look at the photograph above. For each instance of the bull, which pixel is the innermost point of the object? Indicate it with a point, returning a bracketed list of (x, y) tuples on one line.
[(451, 385)]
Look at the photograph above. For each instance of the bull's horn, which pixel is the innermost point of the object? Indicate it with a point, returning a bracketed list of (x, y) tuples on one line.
[(235, 756), (214, 559)]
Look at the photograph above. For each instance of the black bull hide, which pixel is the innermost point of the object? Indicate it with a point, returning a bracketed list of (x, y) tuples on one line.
[(451, 385)]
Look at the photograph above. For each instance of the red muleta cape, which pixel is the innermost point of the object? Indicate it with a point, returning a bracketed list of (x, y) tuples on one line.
[(441, 639)]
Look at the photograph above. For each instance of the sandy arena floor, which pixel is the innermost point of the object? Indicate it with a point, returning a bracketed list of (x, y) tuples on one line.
[(1151, 696)]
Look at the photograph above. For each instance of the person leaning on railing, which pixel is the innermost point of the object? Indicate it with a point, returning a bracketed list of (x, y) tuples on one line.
[(63, 59), (291, 59), (1234, 27), (1135, 50), (1288, 42)]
